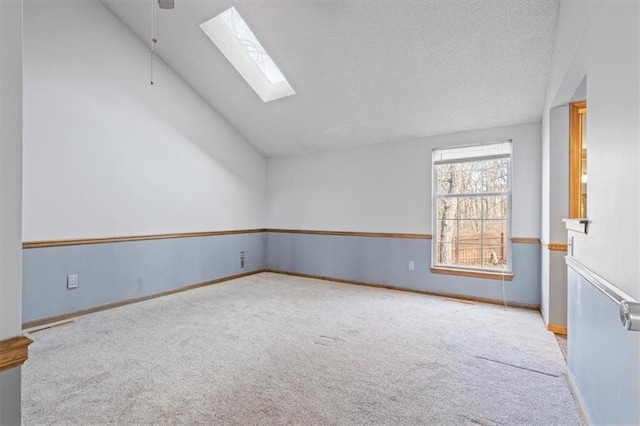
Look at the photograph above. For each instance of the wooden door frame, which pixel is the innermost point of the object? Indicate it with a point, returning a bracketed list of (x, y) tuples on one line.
[(576, 110)]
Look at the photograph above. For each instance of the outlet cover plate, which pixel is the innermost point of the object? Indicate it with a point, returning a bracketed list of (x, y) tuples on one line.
[(72, 281)]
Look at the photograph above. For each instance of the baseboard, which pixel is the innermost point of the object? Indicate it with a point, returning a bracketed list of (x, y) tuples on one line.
[(408, 290), (63, 317), (557, 329), (578, 399)]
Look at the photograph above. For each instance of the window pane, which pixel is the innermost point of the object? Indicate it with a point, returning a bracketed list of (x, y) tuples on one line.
[(447, 231), (446, 178), (470, 254), (469, 231), (470, 208), (494, 207), (459, 178), (496, 174), (451, 179), (470, 177), (494, 231), (445, 254), (447, 208), (494, 256)]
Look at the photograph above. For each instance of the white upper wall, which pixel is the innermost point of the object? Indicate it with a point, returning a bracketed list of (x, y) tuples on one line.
[(602, 41), (10, 187), (107, 154), (613, 131), (387, 187), (568, 68)]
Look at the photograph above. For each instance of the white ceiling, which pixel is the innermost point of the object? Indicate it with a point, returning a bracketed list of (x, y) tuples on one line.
[(365, 71)]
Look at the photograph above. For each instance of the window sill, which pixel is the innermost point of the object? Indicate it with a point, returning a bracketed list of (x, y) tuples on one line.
[(578, 225), (473, 274)]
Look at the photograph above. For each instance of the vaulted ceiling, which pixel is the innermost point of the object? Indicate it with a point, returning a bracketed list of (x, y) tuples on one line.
[(365, 72)]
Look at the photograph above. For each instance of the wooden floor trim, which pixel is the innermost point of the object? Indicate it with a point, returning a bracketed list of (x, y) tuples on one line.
[(77, 242), (425, 292), (70, 315), (64, 317), (14, 352), (557, 329), (352, 234)]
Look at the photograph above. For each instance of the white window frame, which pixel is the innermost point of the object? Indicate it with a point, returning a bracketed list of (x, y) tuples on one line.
[(434, 206)]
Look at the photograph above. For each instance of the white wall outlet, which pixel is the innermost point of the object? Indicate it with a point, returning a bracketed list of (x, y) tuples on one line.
[(72, 281), (412, 265)]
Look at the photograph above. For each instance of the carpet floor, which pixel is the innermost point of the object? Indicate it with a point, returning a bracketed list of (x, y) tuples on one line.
[(276, 349)]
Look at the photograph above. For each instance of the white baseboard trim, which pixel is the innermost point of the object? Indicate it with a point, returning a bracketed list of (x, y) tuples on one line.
[(578, 399)]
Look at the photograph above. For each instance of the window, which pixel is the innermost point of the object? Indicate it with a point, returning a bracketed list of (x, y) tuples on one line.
[(471, 207), (241, 47)]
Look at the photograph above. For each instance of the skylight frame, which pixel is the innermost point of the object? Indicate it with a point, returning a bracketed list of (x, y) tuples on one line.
[(233, 37)]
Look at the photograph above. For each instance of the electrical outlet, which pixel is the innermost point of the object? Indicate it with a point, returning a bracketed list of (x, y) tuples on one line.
[(72, 281), (241, 259), (412, 265)]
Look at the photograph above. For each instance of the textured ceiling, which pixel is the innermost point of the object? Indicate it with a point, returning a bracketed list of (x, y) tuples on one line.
[(365, 71)]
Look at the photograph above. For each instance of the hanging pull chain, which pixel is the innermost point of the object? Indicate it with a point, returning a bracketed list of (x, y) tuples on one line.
[(153, 35)]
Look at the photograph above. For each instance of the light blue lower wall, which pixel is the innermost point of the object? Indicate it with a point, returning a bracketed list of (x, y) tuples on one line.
[(556, 270), (385, 261), (113, 272), (603, 357), (545, 283), (10, 385)]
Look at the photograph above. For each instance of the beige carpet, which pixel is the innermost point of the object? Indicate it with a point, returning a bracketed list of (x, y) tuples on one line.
[(275, 349)]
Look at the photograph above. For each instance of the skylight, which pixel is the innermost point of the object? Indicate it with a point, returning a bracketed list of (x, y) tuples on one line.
[(231, 34)]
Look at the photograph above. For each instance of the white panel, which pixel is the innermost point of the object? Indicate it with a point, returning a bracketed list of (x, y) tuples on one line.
[(10, 170), (558, 191), (10, 198), (108, 154)]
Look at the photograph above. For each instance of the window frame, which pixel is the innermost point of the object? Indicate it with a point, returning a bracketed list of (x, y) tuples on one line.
[(577, 156), (500, 273)]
